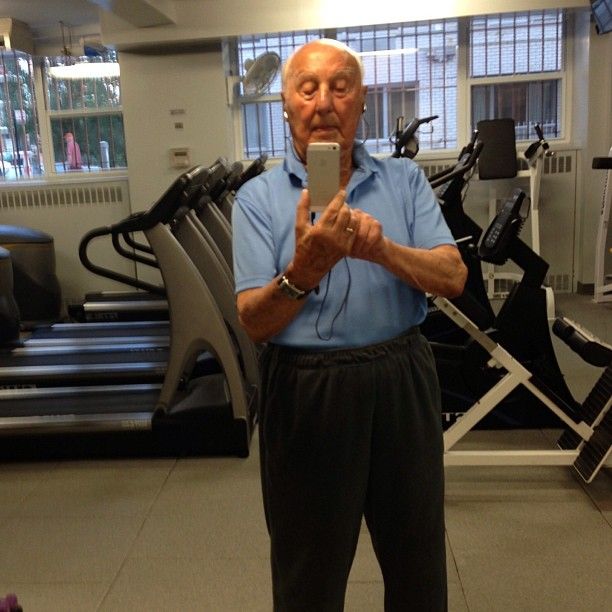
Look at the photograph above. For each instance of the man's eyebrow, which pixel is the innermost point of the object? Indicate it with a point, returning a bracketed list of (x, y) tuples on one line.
[(310, 75)]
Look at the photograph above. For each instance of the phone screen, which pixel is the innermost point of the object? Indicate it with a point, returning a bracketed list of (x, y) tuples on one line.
[(323, 166)]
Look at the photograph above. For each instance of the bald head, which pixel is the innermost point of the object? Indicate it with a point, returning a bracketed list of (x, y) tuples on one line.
[(323, 96), (312, 45)]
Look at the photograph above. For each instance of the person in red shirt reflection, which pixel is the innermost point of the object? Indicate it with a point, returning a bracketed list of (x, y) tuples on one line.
[(73, 152)]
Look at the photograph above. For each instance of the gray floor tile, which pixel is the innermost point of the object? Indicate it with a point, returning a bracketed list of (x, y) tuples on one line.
[(364, 597), (365, 566), (68, 549), (528, 541), (211, 529), (17, 481), (220, 585), (60, 596), (98, 488)]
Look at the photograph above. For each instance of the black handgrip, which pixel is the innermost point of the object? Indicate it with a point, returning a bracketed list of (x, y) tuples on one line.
[(403, 137), (589, 349), (602, 163), (538, 131)]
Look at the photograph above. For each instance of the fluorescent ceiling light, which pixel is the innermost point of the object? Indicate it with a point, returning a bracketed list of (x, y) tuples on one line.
[(85, 70)]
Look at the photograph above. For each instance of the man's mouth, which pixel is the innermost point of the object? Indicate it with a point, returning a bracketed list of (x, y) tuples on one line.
[(324, 128)]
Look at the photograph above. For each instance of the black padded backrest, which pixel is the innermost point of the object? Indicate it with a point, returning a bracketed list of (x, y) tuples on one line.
[(498, 157)]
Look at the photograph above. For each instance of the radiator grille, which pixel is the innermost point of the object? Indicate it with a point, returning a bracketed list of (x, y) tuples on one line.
[(62, 196), (561, 283), (557, 164)]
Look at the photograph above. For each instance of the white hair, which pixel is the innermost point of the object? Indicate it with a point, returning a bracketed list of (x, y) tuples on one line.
[(332, 42)]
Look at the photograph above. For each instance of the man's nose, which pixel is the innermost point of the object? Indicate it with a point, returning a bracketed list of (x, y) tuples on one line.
[(323, 99)]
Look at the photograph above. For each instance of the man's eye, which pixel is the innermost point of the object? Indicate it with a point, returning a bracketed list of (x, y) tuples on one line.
[(308, 89), (341, 87)]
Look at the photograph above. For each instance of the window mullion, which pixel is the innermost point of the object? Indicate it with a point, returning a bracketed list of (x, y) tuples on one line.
[(44, 119)]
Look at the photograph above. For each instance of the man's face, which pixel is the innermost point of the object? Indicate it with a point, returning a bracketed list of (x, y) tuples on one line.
[(323, 97)]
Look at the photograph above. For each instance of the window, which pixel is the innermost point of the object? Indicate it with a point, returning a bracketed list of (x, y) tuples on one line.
[(516, 70), (86, 119), (410, 70), (83, 117), (515, 67)]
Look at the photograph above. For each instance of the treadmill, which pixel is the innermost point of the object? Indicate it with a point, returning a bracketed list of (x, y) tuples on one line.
[(148, 301), (185, 404), (63, 361)]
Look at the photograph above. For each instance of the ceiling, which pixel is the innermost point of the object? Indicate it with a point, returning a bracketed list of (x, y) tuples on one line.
[(43, 16)]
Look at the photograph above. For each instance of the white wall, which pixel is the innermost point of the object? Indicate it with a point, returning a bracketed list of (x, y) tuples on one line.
[(599, 140), (152, 88)]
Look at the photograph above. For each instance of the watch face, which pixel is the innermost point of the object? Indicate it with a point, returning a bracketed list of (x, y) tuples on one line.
[(290, 290)]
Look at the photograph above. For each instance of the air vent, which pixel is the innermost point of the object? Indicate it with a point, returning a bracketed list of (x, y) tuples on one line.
[(62, 196), (433, 168), (560, 283)]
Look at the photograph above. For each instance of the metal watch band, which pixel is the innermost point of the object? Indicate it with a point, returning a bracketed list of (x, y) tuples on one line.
[(290, 290)]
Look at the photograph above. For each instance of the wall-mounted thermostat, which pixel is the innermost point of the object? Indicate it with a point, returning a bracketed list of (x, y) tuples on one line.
[(179, 157)]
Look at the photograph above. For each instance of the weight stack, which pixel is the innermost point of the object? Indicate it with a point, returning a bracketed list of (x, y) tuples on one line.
[(35, 284)]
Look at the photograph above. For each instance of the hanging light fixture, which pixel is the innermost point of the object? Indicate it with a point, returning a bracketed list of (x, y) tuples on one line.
[(74, 69)]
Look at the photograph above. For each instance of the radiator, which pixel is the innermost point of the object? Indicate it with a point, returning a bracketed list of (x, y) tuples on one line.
[(67, 212)]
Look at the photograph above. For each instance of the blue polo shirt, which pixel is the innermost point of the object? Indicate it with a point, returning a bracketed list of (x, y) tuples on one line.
[(359, 302)]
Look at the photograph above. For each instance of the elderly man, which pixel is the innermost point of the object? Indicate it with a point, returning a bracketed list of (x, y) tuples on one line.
[(350, 422)]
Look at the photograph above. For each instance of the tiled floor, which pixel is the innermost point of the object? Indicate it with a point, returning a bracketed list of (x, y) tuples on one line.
[(188, 534)]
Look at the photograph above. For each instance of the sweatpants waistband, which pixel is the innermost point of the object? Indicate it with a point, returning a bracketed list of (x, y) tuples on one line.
[(309, 358)]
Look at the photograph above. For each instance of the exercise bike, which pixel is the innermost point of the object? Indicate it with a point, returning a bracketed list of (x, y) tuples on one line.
[(587, 440)]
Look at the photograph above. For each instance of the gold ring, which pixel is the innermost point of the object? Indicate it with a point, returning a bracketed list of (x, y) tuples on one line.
[(349, 229)]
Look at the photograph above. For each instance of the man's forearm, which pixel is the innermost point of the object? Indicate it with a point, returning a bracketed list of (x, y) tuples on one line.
[(439, 271), (266, 311)]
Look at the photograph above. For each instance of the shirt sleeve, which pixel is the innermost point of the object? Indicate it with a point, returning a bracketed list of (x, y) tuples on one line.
[(252, 240), (429, 227)]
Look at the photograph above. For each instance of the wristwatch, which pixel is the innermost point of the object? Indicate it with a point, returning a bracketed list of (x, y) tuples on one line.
[(290, 290)]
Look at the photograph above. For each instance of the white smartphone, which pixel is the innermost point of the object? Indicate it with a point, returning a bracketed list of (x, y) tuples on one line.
[(323, 165)]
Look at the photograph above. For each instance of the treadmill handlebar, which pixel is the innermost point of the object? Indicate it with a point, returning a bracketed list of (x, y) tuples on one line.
[(256, 167), (181, 192), (112, 274)]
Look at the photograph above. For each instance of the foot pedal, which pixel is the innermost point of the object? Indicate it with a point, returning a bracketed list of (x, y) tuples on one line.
[(595, 452), (597, 401)]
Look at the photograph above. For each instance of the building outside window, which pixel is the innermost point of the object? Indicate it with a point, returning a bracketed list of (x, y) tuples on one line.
[(516, 70)]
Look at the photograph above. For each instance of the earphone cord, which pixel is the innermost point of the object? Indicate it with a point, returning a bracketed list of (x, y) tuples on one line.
[(342, 305)]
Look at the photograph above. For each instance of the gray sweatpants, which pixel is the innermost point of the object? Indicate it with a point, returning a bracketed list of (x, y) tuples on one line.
[(348, 433)]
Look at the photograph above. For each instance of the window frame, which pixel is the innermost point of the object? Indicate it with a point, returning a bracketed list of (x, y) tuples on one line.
[(45, 116), (564, 76)]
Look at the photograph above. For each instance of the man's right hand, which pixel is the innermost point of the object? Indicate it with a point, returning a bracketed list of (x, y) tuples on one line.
[(319, 246)]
